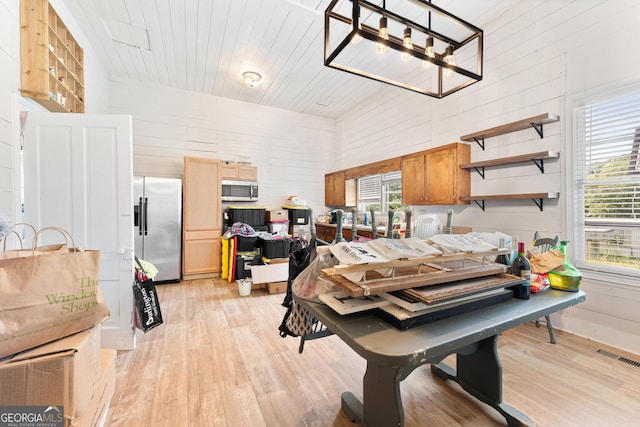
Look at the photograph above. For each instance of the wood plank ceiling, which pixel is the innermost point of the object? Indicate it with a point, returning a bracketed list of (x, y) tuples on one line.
[(205, 45)]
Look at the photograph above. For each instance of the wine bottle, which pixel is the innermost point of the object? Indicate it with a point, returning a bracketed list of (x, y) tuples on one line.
[(503, 258), (522, 268), (514, 249)]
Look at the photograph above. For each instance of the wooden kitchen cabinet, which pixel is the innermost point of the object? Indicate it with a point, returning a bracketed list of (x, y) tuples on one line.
[(413, 179), (334, 190), (202, 217), (434, 177), (239, 172), (51, 61), (339, 191), (327, 232)]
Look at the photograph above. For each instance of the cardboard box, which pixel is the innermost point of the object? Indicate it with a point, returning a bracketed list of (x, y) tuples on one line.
[(278, 272), (277, 215), (62, 373), (95, 414), (277, 287)]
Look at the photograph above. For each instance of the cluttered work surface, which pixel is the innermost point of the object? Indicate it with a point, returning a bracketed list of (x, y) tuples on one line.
[(410, 281), (404, 303)]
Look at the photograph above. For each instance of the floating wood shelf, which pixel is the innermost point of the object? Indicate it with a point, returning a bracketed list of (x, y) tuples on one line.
[(536, 197), (536, 122), (537, 158)]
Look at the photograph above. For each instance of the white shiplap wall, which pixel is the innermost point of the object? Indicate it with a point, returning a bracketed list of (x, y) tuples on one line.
[(291, 150), (9, 83), (540, 56)]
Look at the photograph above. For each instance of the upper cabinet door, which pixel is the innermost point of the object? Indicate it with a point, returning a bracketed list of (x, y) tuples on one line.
[(240, 172), (434, 177), (247, 173), (440, 177), (413, 180), (334, 189)]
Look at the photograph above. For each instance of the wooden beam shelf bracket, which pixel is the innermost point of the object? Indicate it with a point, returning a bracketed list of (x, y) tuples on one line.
[(479, 141), (480, 203)]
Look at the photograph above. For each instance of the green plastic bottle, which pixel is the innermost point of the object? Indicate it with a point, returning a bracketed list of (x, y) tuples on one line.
[(566, 277)]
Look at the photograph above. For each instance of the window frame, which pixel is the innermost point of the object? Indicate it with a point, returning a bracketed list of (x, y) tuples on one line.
[(574, 217), (385, 180)]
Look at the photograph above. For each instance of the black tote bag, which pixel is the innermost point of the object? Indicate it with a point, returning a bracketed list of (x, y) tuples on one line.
[(148, 313)]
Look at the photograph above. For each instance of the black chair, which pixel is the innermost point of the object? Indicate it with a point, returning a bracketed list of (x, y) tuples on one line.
[(544, 244)]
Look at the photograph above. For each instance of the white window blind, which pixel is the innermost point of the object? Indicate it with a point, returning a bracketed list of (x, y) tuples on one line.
[(380, 192), (369, 192), (607, 196)]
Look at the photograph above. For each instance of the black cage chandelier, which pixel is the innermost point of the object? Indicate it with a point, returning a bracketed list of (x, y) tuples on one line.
[(412, 44)]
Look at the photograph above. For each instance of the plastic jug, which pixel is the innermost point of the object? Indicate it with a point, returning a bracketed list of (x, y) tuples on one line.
[(566, 277)]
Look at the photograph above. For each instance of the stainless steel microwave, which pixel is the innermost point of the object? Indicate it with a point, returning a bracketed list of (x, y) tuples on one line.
[(239, 191)]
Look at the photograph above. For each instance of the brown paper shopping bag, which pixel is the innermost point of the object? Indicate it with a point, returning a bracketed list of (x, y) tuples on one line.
[(48, 295), (34, 249)]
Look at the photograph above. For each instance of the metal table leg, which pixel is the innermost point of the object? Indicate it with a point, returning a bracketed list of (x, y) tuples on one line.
[(479, 372)]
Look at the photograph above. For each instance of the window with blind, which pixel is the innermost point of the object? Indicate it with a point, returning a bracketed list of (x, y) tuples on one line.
[(607, 196), (381, 192)]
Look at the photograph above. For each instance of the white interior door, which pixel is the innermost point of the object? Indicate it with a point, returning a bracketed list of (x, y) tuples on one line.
[(78, 172)]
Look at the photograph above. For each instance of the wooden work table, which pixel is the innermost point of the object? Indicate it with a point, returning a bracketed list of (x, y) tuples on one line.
[(392, 354)]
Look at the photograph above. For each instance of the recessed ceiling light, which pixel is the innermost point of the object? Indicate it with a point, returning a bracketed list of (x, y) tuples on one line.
[(251, 78)]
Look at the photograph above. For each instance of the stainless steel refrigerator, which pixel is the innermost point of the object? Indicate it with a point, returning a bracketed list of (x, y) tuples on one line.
[(157, 224)]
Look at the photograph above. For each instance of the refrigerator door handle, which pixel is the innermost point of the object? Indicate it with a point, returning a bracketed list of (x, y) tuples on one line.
[(138, 218), (146, 204)]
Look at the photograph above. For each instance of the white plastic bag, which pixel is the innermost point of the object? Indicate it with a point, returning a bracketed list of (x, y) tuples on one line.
[(310, 284)]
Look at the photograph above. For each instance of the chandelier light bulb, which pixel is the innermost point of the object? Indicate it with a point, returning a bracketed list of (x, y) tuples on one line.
[(383, 33), (407, 43), (450, 60), (251, 78), (356, 38), (428, 51)]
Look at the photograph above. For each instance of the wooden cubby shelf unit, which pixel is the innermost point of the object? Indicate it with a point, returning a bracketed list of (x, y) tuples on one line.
[(537, 158), (537, 122), (51, 61), (537, 198)]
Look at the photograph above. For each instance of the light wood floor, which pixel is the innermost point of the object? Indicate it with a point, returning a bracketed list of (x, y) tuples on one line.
[(218, 361)]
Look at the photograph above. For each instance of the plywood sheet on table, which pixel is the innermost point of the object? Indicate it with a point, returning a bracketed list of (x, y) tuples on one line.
[(412, 277), (450, 291)]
